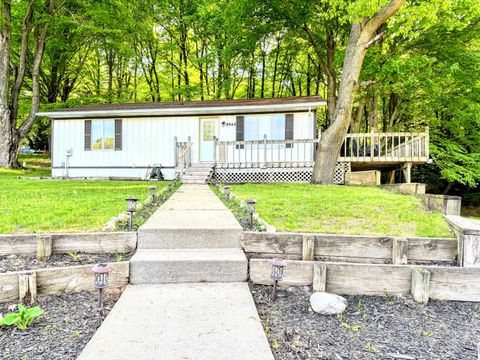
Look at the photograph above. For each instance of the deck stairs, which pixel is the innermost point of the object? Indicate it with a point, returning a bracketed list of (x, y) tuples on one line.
[(197, 174)]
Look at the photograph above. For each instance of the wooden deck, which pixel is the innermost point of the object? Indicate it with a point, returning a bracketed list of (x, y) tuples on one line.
[(269, 160), (360, 149)]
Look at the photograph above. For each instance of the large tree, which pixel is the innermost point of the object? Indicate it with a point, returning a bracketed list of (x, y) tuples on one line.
[(363, 34), (13, 71)]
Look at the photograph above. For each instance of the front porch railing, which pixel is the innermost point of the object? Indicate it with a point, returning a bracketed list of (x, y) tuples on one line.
[(395, 147)]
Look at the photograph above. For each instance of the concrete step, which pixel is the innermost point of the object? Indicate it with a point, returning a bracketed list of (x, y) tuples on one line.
[(182, 228), (187, 266), (201, 165), (194, 177), (194, 181), (198, 171)]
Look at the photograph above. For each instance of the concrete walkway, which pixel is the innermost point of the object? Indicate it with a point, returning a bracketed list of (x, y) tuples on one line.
[(189, 299), (181, 321)]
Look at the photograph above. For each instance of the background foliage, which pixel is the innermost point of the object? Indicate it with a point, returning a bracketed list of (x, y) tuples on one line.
[(424, 72)]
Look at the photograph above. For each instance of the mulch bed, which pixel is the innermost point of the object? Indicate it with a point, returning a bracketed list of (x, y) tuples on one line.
[(388, 328), (25, 262), (69, 321)]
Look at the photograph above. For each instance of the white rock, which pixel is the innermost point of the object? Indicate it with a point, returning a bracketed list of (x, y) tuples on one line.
[(327, 304)]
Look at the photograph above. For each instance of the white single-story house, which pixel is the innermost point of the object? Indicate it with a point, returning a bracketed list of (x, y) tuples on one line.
[(247, 140), (126, 140)]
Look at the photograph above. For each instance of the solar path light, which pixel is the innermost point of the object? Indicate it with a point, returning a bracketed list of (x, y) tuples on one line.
[(153, 191), (276, 275), (226, 191), (251, 210), (131, 208), (100, 281)]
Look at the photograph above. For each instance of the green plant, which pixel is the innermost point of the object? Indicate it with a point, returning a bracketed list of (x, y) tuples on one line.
[(427, 333), (370, 347), (119, 255), (359, 305), (348, 326), (75, 257), (23, 318), (275, 345)]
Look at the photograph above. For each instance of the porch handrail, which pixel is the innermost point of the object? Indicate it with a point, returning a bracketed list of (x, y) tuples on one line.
[(183, 151)]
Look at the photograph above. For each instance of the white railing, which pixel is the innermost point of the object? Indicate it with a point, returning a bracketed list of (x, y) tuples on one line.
[(357, 147), (386, 147), (265, 153), (183, 155)]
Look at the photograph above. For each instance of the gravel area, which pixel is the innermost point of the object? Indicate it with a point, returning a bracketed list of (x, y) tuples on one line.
[(69, 321), (372, 327), (22, 262)]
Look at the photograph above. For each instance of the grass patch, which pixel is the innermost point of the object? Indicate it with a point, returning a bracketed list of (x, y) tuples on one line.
[(33, 206), (342, 210)]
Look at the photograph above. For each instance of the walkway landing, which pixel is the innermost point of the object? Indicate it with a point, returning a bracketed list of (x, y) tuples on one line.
[(181, 322)]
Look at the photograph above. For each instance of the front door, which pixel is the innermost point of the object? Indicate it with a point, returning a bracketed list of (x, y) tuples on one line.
[(208, 132)]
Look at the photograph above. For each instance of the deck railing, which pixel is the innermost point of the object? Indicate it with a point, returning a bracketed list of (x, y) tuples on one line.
[(357, 147), (386, 147), (265, 153)]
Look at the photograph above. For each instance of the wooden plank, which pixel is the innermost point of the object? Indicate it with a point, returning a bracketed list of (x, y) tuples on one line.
[(432, 249), (346, 279), (273, 243), (102, 242), (9, 288), (420, 285), (348, 248), (355, 246), (44, 247), (308, 246), (399, 251), (96, 242), (454, 283), (319, 277), (77, 278), (18, 244)]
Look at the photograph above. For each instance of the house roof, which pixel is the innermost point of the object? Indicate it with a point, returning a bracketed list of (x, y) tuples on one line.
[(211, 107)]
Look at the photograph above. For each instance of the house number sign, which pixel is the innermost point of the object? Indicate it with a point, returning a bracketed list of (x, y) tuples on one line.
[(224, 123)]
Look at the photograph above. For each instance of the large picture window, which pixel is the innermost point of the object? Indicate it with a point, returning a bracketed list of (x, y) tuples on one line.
[(273, 126), (103, 134)]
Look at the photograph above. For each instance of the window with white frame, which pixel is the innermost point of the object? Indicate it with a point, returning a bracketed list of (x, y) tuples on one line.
[(103, 134), (258, 126)]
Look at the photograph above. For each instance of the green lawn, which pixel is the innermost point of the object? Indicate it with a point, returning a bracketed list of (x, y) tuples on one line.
[(32, 206), (343, 210)]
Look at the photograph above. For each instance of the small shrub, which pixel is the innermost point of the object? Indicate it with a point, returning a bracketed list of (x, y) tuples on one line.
[(75, 257), (23, 318)]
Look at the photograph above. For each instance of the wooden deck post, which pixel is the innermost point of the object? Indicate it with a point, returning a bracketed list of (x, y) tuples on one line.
[(308, 247), (407, 172), (319, 277), (420, 285), (399, 251), (27, 284), (44, 247)]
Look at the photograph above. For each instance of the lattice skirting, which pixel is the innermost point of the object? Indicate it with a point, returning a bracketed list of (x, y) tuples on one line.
[(272, 175)]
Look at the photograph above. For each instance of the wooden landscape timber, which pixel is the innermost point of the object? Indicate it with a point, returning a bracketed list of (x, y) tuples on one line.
[(468, 235), (15, 286), (63, 243), (350, 248), (441, 283)]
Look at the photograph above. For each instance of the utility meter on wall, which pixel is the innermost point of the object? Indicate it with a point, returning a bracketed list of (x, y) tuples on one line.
[(68, 152)]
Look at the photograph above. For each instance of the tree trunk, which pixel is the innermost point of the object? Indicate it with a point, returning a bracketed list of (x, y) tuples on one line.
[(331, 142), (10, 136)]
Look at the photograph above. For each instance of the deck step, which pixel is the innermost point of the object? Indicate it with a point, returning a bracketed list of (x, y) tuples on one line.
[(187, 266)]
